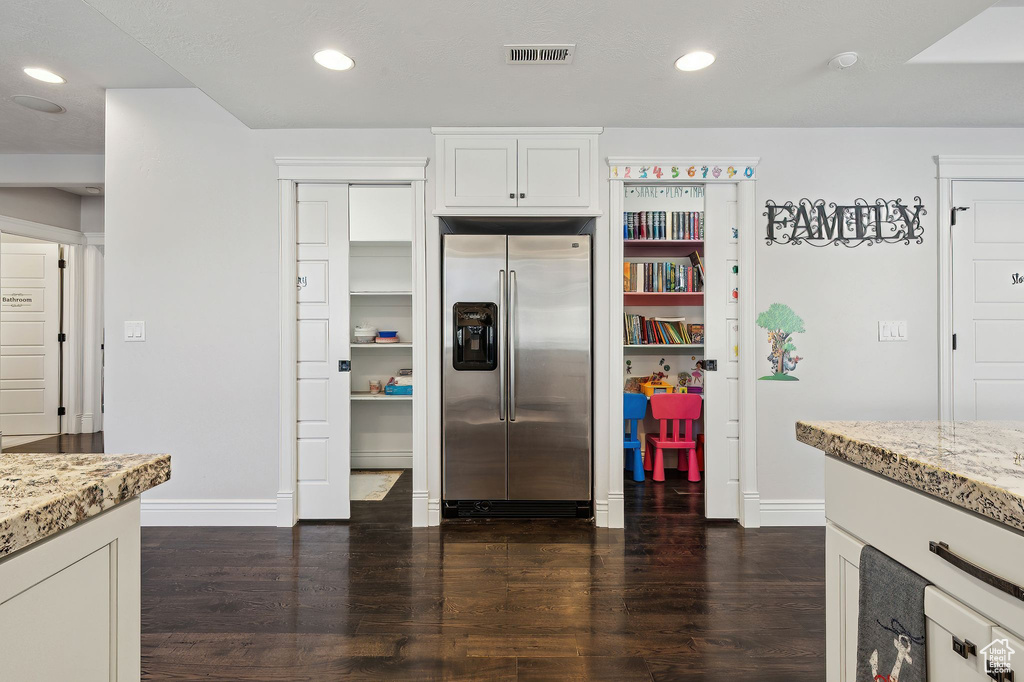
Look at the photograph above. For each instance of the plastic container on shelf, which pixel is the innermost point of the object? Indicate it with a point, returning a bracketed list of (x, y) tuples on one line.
[(365, 334)]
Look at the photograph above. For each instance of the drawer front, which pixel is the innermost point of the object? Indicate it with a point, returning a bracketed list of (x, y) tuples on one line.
[(956, 635), (1004, 656), (901, 522)]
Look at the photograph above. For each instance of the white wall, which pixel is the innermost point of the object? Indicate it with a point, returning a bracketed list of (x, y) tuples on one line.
[(192, 221), (42, 205), (50, 170), (91, 220)]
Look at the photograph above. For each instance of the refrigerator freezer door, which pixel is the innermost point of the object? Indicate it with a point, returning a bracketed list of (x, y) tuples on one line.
[(474, 446), (549, 427)]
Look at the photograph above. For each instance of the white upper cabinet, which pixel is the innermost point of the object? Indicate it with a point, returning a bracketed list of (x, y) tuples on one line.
[(554, 171), (480, 171), (380, 213), (499, 171)]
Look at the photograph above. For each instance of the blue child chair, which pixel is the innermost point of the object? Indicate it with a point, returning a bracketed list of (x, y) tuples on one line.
[(634, 407)]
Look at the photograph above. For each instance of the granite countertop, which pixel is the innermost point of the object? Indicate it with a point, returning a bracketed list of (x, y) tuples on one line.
[(975, 465), (43, 494)]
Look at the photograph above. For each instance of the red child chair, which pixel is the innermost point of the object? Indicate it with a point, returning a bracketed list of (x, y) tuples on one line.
[(674, 407)]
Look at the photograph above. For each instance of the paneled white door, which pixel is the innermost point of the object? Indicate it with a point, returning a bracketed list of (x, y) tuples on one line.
[(721, 334), (323, 427), (29, 350), (988, 300)]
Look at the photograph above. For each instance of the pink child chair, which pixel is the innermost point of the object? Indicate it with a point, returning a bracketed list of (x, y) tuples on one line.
[(674, 407)]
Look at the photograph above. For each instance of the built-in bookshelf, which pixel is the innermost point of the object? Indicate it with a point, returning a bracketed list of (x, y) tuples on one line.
[(663, 284)]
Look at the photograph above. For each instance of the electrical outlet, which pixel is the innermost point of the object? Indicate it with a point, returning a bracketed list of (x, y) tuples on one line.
[(135, 331), (892, 331)]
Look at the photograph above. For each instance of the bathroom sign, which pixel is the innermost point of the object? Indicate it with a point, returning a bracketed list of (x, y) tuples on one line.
[(884, 221), (21, 300)]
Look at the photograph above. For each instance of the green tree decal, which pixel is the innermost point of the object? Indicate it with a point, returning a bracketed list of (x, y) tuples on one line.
[(781, 323)]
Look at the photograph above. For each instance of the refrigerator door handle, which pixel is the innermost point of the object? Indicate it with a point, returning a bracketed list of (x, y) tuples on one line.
[(512, 345), (502, 343)]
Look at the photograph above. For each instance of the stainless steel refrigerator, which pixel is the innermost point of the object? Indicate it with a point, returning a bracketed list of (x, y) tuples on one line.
[(517, 375)]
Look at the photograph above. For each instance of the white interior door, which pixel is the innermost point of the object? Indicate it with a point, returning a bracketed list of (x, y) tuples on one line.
[(29, 350), (721, 336), (323, 426), (988, 300)]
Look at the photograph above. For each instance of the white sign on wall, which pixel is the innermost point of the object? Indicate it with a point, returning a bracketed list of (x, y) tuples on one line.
[(21, 299)]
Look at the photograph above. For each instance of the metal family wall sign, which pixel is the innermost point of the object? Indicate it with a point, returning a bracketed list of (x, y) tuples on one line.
[(886, 221)]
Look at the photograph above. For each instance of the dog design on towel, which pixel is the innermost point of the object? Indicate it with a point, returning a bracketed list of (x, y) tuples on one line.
[(903, 642)]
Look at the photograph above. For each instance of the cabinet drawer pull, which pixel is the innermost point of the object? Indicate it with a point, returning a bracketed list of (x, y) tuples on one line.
[(964, 647), (976, 571)]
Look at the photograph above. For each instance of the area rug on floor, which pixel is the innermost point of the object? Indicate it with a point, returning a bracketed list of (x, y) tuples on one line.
[(372, 485)]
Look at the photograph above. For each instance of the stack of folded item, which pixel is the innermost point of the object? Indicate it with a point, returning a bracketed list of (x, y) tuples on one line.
[(401, 384)]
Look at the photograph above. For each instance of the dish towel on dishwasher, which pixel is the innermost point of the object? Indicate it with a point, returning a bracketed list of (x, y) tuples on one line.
[(890, 626)]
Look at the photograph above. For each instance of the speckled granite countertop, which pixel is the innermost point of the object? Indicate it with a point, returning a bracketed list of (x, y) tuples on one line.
[(44, 494), (975, 465)]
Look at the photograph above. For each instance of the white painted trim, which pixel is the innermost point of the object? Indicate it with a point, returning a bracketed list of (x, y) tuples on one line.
[(432, 374), (792, 512), (608, 474), (616, 510), (288, 355), (746, 216), (953, 168), (382, 460), (351, 169), (49, 233), (74, 327), (94, 238), (502, 130), (291, 171), (420, 456), (162, 512)]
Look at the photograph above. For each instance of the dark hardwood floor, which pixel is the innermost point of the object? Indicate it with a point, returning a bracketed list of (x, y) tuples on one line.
[(66, 442), (673, 597)]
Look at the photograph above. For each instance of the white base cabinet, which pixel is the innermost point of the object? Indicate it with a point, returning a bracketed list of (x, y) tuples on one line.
[(70, 604), (531, 171), (963, 614)]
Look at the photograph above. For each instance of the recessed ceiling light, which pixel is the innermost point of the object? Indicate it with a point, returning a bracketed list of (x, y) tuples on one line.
[(334, 60), (39, 104), (843, 60), (44, 75), (695, 61)]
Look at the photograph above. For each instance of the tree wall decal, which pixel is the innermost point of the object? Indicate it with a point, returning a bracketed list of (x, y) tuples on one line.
[(781, 323)]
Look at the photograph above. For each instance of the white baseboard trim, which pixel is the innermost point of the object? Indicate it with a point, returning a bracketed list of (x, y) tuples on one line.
[(601, 513), (162, 512), (420, 509), (750, 510), (616, 510), (792, 512), (287, 513), (434, 512), (382, 460)]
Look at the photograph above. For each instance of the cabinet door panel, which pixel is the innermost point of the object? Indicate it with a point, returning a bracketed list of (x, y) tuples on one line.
[(59, 629), (554, 171), (480, 171), (948, 621)]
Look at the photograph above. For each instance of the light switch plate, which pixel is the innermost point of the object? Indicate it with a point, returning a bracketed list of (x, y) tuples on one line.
[(892, 331), (135, 331)]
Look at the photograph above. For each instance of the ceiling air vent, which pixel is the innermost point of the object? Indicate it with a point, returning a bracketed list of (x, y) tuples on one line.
[(539, 54)]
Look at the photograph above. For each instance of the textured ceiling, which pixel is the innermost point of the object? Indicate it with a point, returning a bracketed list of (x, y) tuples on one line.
[(441, 63), (72, 39)]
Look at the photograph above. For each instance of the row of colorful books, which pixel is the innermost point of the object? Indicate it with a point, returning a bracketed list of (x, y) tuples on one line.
[(667, 277), (670, 331), (663, 225)]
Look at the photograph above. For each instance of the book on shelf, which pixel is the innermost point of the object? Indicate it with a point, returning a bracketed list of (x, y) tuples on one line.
[(696, 332), (639, 330), (662, 277), (664, 225)]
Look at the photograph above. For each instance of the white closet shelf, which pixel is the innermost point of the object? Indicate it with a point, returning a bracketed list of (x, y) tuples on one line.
[(381, 293), (663, 346), (367, 396), (378, 346)]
